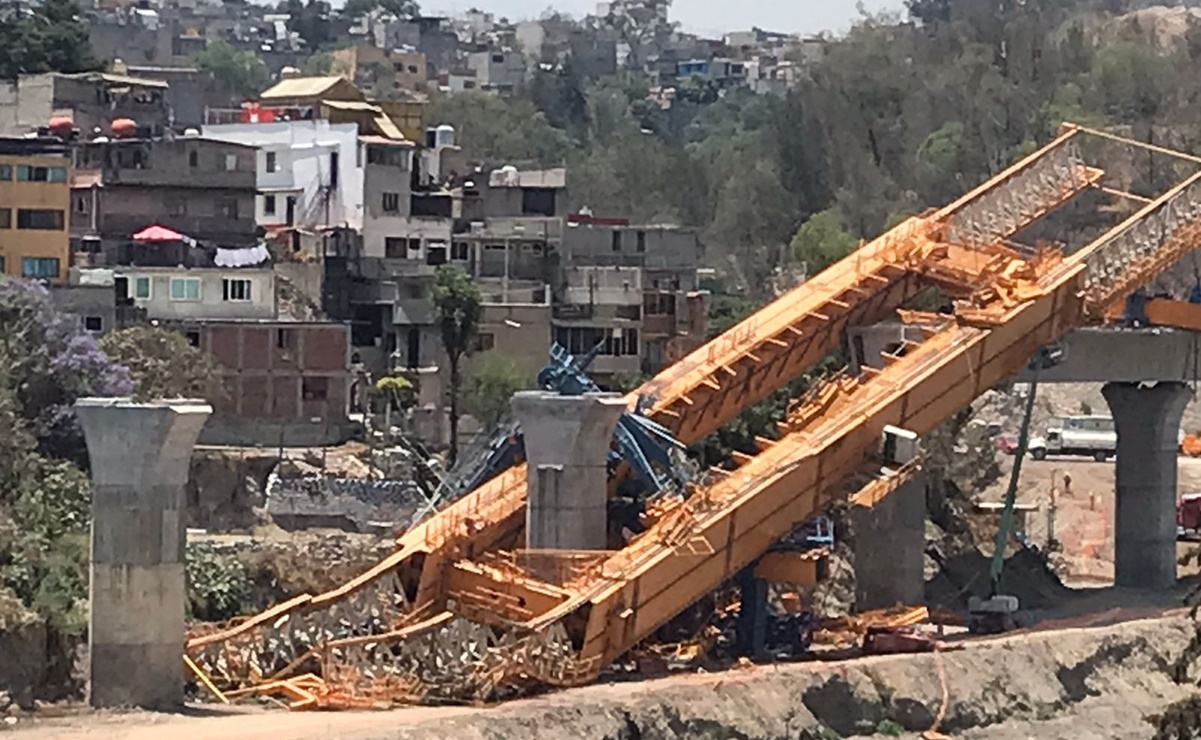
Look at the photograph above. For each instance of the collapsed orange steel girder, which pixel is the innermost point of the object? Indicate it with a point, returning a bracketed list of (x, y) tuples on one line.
[(1010, 305)]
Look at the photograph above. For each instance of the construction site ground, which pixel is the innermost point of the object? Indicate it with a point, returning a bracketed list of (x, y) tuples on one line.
[(1061, 680)]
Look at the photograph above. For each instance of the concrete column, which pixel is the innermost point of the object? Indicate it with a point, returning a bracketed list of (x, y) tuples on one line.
[(566, 445), (139, 455), (1148, 422), (890, 544)]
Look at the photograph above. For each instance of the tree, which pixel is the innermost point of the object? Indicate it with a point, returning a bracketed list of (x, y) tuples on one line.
[(241, 71), (310, 21), (398, 394), (495, 377), (821, 241), (457, 308), (399, 8), (49, 38), (162, 363)]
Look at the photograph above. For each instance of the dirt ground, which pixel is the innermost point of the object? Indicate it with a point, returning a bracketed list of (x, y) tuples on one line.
[(1095, 682), (1083, 519)]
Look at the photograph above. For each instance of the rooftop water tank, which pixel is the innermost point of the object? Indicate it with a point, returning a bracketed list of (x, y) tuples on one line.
[(123, 128), (444, 135), (61, 126)]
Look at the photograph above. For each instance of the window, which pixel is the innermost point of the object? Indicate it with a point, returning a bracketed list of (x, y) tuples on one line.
[(231, 162), (641, 241), (460, 251), (6, 172), (6, 218), (659, 304), (616, 241), (269, 205), (27, 173), (141, 287), (436, 253), (333, 170), (469, 85), (315, 389), (391, 202), (630, 313), (81, 204), (235, 290), (39, 267), (580, 340), (193, 158), (185, 289), (271, 161), (483, 342), (93, 323), (3, 265), (193, 338), (40, 219), (177, 207), (395, 247), (538, 202), (283, 338), (498, 58), (227, 208)]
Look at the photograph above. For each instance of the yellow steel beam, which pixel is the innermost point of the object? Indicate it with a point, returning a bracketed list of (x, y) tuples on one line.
[(791, 568)]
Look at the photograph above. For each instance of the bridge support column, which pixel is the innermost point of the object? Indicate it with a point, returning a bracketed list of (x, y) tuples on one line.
[(139, 457), (567, 445), (890, 546), (1147, 419)]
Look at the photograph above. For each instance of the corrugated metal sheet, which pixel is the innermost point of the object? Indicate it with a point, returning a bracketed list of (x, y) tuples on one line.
[(299, 87)]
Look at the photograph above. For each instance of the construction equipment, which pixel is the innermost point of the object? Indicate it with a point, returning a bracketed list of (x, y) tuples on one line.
[(512, 620), (995, 614)]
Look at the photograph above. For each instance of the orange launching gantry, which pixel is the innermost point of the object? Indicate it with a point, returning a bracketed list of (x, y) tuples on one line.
[(461, 611)]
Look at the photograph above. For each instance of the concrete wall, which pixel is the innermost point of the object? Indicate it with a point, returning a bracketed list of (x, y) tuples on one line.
[(223, 429), (212, 303), (652, 247), (377, 231)]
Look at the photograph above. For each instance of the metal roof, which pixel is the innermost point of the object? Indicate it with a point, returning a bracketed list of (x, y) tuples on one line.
[(300, 87)]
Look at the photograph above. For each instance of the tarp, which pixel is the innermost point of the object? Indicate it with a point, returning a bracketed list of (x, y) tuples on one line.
[(158, 233)]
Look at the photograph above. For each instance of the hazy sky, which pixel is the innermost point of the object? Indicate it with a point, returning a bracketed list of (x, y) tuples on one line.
[(711, 17)]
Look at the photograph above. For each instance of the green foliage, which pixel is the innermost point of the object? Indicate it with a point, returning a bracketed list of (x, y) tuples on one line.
[(821, 241), (162, 363), (46, 38), (243, 72), (458, 308), (218, 584), (398, 8), (495, 377), (397, 390), (501, 131), (888, 728)]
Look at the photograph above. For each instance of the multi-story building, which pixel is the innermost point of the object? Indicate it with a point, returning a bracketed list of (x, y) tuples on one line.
[(91, 101), (285, 383), (499, 70), (385, 72), (201, 293), (308, 173), (203, 188), (35, 198)]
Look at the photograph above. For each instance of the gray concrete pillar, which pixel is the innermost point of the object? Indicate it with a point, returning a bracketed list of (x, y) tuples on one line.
[(566, 444), (139, 455), (1147, 419), (890, 546)]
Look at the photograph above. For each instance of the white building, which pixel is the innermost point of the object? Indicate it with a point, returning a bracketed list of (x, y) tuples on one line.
[(309, 173), (183, 294)]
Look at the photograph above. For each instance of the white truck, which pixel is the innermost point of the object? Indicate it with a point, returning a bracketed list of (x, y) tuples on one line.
[(1089, 436)]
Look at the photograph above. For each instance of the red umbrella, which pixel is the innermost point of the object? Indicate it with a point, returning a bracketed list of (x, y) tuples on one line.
[(158, 234)]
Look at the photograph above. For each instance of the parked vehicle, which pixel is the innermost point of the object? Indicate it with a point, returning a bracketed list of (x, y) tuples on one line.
[(1089, 436), (1188, 517)]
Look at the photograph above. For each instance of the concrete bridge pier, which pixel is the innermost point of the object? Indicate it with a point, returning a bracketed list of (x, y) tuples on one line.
[(140, 454), (889, 549), (1147, 418), (567, 446)]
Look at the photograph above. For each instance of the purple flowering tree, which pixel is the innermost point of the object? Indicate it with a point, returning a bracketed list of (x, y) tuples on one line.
[(49, 363)]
